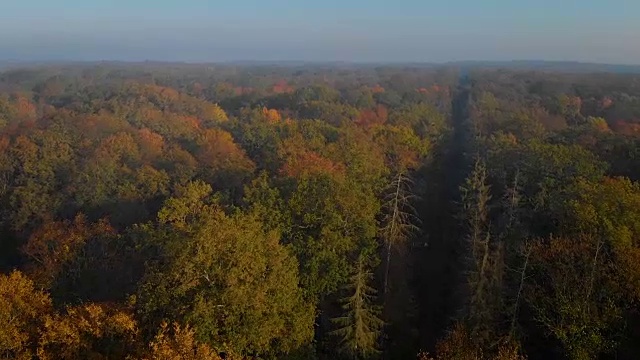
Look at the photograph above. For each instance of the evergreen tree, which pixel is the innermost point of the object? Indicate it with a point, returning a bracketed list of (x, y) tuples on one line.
[(360, 327), (484, 257)]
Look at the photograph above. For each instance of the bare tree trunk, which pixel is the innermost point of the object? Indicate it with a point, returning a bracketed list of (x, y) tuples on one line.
[(516, 304), (593, 274), (386, 271)]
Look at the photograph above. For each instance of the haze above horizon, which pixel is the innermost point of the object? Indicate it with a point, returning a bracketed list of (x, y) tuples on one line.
[(330, 30)]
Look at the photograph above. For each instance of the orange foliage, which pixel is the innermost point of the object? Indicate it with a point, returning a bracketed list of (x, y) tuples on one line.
[(151, 144), (4, 144), (165, 93), (56, 243), (626, 128), (435, 88), (272, 115), (218, 150), (91, 331), (32, 328), (281, 87), (179, 343), (149, 114), (170, 94), (377, 116), (377, 89), (25, 110), (219, 144), (191, 121), (24, 150), (309, 162), (96, 125), (239, 90), (298, 160), (459, 345), (576, 101), (118, 146)]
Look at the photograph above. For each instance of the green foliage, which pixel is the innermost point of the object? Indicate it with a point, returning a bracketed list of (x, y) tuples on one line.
[(403, 148), (610, 208), (226, 276), (266, 203), (575, 294), (331, 219), (40, 164), (546, 174), (426, 121), (239, 223)]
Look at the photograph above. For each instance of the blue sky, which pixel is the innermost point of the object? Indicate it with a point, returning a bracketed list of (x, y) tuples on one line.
[(346, 30)]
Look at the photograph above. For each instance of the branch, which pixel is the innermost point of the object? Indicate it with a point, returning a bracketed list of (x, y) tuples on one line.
[(517, 302)]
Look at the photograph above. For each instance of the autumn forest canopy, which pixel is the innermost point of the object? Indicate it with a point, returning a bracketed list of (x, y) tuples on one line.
[(173, 211)]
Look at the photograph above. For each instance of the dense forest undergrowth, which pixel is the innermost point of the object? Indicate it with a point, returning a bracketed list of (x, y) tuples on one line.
[(157, 211)]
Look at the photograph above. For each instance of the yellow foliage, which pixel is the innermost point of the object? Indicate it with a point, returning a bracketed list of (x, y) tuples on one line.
[(599, 124), (509, 352), (403, 148), (179, 343), (611, 207), (116, 147), (271, 115), (214, 113), (218, 150), (459, 345), (87, 331), (31, 328), (21, 310)]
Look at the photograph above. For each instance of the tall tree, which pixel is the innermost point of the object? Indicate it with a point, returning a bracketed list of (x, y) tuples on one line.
[(399, 219), (360, 327), (226, 276), (483, 257)]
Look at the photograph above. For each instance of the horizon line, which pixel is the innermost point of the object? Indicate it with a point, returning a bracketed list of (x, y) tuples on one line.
[(319, 61)]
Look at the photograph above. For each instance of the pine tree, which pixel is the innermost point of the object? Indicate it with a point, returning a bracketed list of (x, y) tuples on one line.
[(518, 249), (484, 257), (360, 326)]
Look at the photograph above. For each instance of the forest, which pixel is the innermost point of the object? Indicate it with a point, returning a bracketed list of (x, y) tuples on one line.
[(164, 211)]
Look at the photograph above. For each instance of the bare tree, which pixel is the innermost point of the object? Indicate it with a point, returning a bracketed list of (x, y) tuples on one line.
[(400, 221)]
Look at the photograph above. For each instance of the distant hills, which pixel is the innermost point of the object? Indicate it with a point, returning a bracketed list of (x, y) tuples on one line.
[(563, 66), (538, 65)]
